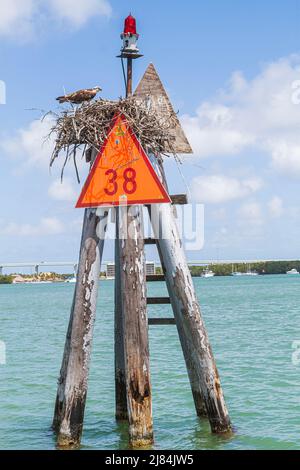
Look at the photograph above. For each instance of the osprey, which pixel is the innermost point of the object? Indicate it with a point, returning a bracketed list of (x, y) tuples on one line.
[(80, 96)]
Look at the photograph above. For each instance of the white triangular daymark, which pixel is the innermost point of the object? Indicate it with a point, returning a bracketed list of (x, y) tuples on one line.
[(152, 94)]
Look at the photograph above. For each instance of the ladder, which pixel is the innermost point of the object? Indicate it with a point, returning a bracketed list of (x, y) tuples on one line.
[(177, 199)]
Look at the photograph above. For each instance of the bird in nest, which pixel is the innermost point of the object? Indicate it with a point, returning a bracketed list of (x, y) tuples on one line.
[(80, 96)]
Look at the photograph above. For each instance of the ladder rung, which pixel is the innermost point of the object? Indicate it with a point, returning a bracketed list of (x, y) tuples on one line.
[(155, 277), (161, 321), (158, 300), (179, 199), (150, 241)]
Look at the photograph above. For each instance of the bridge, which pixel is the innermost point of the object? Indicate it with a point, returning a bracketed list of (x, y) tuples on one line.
[(38, 265)]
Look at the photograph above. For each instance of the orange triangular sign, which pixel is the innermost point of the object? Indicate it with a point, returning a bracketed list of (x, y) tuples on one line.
[(122, 173)]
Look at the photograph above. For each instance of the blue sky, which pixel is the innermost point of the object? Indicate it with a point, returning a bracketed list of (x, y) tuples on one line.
[(229, 68)]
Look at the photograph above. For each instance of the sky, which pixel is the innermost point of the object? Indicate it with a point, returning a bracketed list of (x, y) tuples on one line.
[(231, 69)]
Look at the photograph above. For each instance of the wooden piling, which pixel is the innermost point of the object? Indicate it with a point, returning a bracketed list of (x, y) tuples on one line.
[(131, 286), (135, 327), (72, 385), (202, 370), (120, 377)]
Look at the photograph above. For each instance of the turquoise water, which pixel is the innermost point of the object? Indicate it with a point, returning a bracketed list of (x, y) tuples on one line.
[(252, 323)]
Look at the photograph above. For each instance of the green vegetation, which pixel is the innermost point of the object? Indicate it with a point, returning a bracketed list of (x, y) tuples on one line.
[(269, 267), (6, 279)]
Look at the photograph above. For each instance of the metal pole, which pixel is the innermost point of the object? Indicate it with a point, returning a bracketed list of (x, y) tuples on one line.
[(129, 78)]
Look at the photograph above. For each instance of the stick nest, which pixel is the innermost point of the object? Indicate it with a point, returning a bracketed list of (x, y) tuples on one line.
[(87, 126)]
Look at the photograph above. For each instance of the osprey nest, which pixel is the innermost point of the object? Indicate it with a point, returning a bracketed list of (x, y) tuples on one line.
[(86, 127)]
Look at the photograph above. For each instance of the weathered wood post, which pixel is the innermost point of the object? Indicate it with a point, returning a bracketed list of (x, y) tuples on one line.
[(131, 278), (120, 378), (202, 370), (203, 376), (156, 220), (72, 384), (135, 327)]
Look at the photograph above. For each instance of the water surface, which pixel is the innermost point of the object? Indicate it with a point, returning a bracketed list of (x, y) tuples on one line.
[(252, 323)]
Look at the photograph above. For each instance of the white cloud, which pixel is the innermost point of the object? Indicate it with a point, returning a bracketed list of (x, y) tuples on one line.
[(47, 226), (213, 131), (21, 19), (16, 17), (33, 147), (286, 156), (258, 114), (62, 191), (31, 143), (216, 189), (78, 12), (275, 206)]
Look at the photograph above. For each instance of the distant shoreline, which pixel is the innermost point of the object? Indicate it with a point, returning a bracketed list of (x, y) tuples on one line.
[(261, 268)]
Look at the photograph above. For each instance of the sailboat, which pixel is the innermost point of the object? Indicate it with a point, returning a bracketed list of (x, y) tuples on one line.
[(251, 273), (235, 273), (247, 273)]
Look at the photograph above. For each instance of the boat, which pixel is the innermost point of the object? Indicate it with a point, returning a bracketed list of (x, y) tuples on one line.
[(71, 280), (293, 271), (38, 282), (207, 273), (247, 273)]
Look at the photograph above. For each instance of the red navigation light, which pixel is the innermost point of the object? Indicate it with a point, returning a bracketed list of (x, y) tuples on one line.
[(130, 25)]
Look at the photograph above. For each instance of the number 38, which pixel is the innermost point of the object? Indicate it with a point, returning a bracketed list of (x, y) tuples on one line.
[(129, 184)]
